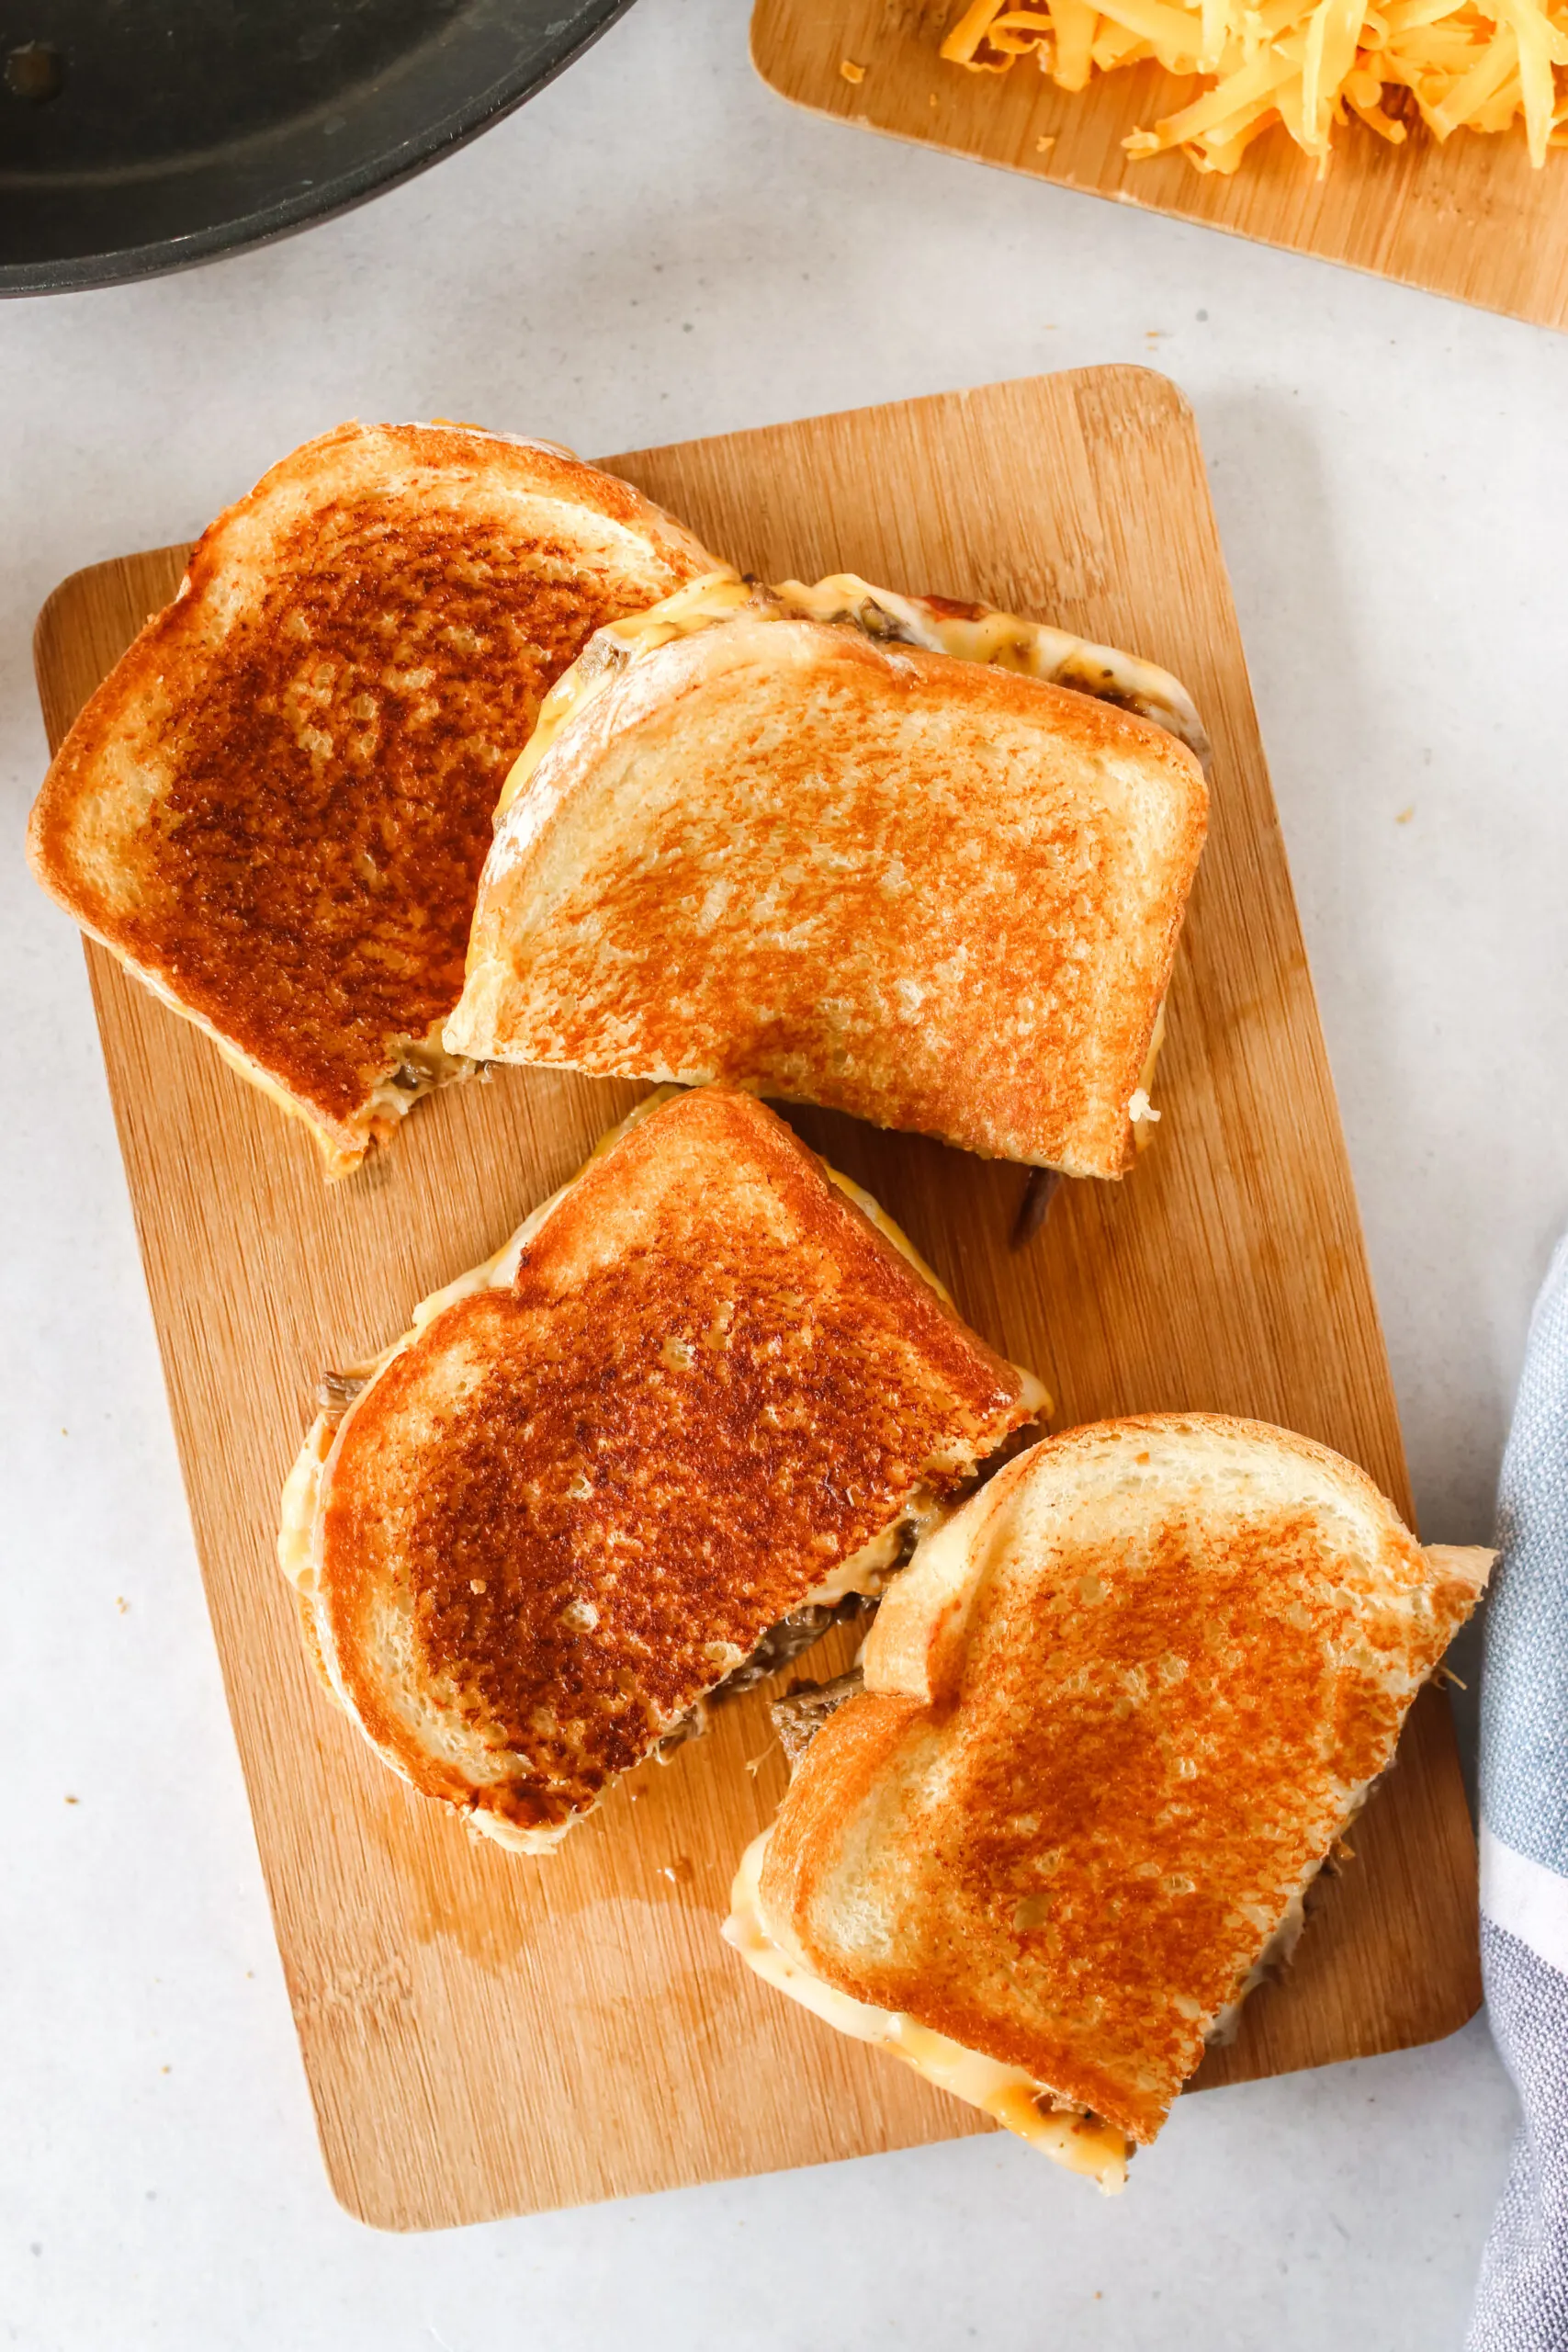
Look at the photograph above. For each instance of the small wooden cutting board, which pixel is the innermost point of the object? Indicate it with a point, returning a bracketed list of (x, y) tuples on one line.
[(1469, 218), (486, 2034)]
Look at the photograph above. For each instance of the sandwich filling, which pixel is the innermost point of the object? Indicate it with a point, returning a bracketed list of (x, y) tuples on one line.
[(1000, 640)]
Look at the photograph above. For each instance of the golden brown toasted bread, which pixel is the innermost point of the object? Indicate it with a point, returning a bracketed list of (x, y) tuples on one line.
[(784, 853), (275, 807), (700, 1390), (1115, 1713)]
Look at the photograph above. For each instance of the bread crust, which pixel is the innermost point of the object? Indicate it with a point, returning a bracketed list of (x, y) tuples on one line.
[(1116, 1711), (275, 808), (938, 895)]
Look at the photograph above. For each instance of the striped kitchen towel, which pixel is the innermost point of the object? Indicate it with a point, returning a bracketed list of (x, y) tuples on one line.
[(1521, 2303)]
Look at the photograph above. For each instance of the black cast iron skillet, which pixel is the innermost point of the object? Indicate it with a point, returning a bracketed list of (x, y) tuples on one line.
[(138, 136)]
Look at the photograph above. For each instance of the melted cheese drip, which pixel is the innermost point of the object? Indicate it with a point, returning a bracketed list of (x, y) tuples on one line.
[(424, 1064), (1005, 2092), (1006, 641), (1141, 1110), (716, 596), (868, 1570)]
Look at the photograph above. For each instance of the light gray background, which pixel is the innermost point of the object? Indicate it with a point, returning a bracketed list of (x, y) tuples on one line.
[(657, 248)]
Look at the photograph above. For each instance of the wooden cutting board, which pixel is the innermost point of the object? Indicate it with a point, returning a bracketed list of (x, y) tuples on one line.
[(486, 2035), (1469, 218)]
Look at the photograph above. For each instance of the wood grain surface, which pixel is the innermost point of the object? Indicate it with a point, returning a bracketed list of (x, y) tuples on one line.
[(486, 2034), (1469, 218)]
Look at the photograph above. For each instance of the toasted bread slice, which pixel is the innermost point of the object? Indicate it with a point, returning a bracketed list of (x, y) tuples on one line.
[(275, 807), (785, 852), (1115, 1713), (701, 1389)]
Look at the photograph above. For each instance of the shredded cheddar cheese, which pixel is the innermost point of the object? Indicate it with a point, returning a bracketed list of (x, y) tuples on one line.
[(1309, 64)]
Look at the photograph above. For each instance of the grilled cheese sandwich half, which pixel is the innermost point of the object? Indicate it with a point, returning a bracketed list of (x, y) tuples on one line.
[(1114, 1715), (274, 809), (702, 1393), (786, 839)]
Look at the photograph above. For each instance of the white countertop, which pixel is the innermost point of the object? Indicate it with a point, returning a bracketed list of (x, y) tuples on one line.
[(656, 248)]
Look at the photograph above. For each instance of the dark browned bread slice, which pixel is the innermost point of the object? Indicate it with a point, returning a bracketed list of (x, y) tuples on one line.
[(700, 1390), (275, 808)]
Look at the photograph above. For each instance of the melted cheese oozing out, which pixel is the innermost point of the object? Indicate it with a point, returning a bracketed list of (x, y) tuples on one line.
[(423, 1065), (297, 1519), (1005, 2092), (1006, 641), (868, 1570), (715, 597), (1141, 1110)]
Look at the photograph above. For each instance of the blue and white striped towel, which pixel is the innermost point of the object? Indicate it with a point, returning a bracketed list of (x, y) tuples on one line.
[(1521, 2304)]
